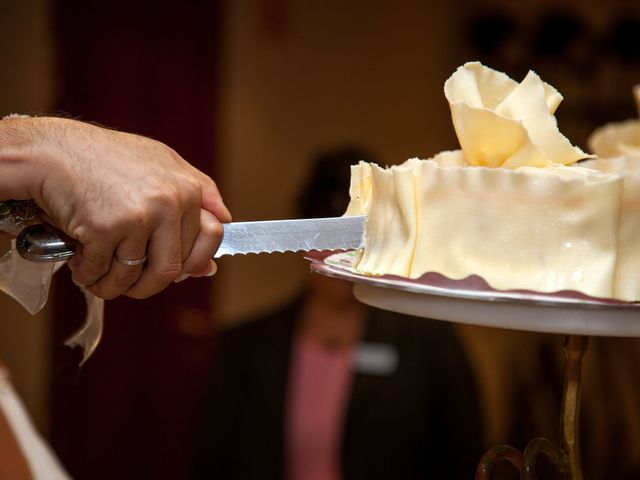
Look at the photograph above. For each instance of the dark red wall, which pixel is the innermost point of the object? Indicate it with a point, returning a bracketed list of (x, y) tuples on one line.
[(149, 68)]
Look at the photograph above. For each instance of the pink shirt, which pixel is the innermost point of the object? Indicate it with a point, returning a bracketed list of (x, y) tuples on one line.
[(319, 387)]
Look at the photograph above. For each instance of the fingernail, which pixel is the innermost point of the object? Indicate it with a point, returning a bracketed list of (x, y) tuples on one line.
[(181, 278), (213, 269)]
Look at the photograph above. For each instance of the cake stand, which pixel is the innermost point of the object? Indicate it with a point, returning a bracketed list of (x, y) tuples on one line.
[(472, 301)]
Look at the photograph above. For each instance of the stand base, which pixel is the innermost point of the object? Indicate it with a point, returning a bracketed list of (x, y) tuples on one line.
[(566, 459)]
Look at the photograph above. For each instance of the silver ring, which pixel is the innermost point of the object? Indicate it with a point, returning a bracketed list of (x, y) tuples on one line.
[(130, 263)]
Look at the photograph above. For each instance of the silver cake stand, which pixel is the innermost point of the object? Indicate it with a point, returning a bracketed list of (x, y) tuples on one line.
[(471, 301)]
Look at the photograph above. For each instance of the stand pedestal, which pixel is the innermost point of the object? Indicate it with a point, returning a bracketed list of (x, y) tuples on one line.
[(566, 458)]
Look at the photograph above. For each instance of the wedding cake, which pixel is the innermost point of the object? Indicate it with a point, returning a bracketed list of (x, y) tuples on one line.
[(510, 206)]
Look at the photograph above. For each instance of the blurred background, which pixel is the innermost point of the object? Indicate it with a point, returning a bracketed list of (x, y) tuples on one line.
[(250, 91)]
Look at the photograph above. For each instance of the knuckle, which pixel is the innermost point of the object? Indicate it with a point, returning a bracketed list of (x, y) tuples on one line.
[(205, 179), (192, 202), (171, 153), (197, 265), (193, 189), (138, 217), (104, 293), (167, 273), (81, 234), (80, 278), (188, 190), (213, 232), (168, 199), (88, 273), (90, 231), (136, 294), (139, 292), (210, 227), (216, 230), (125, 279)]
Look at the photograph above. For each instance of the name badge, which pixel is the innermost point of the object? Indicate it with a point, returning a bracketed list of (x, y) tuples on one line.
[(375, 359)]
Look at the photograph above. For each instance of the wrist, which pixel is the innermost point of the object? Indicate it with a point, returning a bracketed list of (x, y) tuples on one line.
[(22, 156)]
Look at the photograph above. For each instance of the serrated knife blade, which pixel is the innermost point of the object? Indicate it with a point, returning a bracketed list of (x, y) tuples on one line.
[(303, 235), (44, 243)]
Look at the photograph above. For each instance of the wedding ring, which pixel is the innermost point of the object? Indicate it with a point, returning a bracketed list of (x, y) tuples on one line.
[(130, 263)]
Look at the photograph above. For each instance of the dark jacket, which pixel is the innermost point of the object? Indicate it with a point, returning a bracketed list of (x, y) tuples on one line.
[(421, 421)]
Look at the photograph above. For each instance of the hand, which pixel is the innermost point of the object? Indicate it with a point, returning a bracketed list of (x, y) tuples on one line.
[(119, 195)]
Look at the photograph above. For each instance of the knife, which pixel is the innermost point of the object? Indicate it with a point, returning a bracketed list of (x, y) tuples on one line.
[(45, 243)]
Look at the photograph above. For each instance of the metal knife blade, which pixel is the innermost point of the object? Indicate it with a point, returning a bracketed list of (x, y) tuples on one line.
[(339, 233), (44, 243)]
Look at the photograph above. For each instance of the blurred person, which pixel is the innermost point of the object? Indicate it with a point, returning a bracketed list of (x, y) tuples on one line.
[(328, 388), (143, 218)]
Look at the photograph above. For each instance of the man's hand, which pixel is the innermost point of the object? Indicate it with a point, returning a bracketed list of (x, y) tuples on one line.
[(121, 196)]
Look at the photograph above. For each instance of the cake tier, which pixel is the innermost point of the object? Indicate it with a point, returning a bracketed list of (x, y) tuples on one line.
[(543, 229)]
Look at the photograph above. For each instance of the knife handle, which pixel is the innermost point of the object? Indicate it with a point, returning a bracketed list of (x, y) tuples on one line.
[(45, 243)]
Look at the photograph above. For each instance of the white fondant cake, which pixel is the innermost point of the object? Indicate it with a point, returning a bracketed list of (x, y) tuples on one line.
[(505, 207), (627, 277), (618, 138)]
